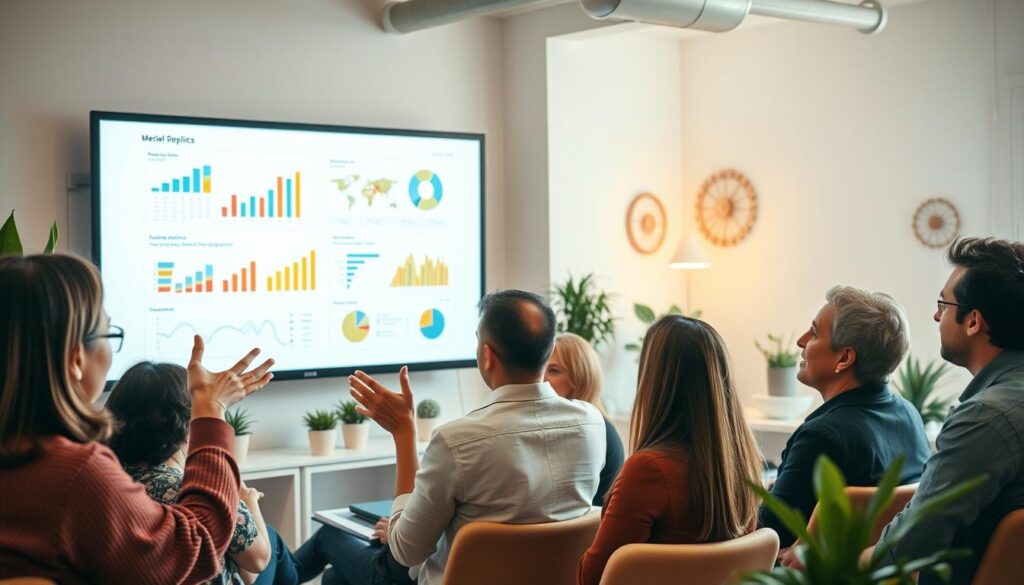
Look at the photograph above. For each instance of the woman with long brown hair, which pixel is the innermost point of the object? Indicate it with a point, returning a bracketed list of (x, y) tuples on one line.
[(692, 450), (68, 512)]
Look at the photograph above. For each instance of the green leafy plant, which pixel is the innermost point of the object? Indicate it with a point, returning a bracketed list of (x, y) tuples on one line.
[(347, 414), (239, 420), (778, 357), (321, 420), (832, 554), (917, 385), (647, 316), (428, 409), (583, 310), (10, 241)]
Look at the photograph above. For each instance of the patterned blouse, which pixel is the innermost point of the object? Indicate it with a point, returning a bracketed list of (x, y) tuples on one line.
[(163, 484)]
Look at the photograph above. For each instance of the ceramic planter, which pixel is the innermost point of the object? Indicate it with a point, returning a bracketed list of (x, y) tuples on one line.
[(782, 381), (355, 435), (321, 443), (425, 427), (241, 449)]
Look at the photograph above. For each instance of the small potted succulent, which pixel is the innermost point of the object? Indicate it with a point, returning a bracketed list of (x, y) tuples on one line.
[(427, 413), (240, 420), (354, 427), (781, 366), (323, 431)]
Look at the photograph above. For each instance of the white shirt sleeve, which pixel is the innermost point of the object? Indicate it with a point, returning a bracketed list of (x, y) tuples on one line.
[(419, 519)]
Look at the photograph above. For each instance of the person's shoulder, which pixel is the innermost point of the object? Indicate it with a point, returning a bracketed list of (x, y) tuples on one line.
[(657, 465)]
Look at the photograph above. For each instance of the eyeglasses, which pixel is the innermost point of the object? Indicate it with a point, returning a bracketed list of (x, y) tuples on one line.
[(943, 304), (116, 337)]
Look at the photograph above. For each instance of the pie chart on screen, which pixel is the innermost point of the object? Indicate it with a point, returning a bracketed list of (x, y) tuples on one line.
[(432, 323), (356, 326)]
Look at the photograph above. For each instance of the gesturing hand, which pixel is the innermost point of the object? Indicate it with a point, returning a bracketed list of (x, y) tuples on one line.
[(229, 386), (391, 410)]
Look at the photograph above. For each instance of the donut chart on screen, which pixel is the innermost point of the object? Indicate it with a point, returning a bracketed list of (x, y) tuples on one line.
[(432, 323), (356, 326), (420, 200)]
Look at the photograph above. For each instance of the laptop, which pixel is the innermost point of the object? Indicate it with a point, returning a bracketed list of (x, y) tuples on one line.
[(372, 511)]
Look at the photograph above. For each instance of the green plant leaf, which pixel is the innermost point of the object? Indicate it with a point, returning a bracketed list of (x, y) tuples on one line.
[(674, 310), (644, 313), (51, 243), (10, 243)]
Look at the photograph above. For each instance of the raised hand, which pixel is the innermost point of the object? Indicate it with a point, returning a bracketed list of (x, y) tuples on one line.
[(391, 410), (227, 387)]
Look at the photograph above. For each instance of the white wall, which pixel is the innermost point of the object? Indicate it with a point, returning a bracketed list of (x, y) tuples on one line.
[(614, 130), (320, 61), (842, 134)]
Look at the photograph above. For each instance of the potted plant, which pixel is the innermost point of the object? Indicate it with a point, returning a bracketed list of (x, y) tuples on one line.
[(583, 311), (833, 554), (427, 413), (323, 431), (917, 385), (647, 316), (781, 366), (354, 428), (10, 241), (240, 420)]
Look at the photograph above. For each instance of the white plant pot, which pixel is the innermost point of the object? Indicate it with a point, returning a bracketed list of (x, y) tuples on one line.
[(241, 449), (782, 381), (321, 443), (355, 435), (425, 427)]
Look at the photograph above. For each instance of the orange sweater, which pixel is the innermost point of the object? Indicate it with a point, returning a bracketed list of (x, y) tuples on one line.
[(74, 516), (648, 503)]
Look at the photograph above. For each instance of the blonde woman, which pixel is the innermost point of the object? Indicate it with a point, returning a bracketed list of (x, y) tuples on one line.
[(68, 512), (692, 450), (575, 372)]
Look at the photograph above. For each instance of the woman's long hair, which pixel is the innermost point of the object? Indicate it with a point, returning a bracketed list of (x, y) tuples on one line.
[(50, 305), (582, 367), (685, 399)]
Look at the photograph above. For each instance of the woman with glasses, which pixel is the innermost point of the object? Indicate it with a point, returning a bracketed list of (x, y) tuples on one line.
[(854, 343), (68, 512), (692, 451)]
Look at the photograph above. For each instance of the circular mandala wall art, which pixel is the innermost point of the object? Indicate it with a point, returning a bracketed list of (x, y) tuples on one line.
[(646, 223), (936, 223), (726, 208)]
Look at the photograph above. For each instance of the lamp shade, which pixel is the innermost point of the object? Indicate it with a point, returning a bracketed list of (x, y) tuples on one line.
[(689, 255)]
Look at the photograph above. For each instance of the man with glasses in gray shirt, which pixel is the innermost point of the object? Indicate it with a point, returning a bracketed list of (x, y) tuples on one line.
[(981, 327)]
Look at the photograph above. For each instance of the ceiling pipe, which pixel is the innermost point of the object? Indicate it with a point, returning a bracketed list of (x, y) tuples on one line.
[(414, 15), (722, 15)]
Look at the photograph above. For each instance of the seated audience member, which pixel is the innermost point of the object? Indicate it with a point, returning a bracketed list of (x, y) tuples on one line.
[(151, 405), (526, 456), (981, 328), (574, 372), (854, 343), (684, 482), (68, 512)]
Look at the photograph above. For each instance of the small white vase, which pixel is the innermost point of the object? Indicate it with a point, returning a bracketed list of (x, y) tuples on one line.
[(355, 435), (782, 381), (425, 427), (241, 449), (321, 443)]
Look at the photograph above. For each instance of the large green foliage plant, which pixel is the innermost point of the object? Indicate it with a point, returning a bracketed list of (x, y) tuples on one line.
[(917, 385), (583, 309), (832, 555)]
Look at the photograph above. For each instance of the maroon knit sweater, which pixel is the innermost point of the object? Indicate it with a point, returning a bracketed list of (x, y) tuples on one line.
[(74, 516)]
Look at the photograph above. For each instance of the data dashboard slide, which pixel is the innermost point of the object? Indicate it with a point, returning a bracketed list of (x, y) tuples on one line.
[(330, 248)]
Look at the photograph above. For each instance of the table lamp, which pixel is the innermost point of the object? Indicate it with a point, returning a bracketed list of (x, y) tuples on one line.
[(689, 256)]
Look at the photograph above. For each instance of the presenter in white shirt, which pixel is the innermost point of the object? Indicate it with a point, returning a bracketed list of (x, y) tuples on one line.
[(525, 456)]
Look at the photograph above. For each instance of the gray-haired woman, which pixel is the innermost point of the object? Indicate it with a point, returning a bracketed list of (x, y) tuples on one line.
[(852, 346)]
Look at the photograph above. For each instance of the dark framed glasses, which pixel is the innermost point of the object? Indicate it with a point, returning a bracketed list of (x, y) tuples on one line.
[(115, 335), (943, 304)]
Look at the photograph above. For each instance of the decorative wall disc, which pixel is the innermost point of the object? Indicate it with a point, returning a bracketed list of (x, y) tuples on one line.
[(936, 223), (646, 223), (726, 208)]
